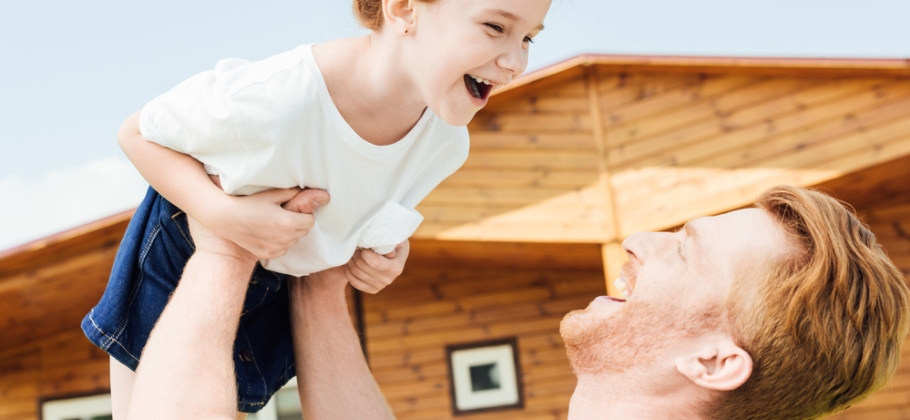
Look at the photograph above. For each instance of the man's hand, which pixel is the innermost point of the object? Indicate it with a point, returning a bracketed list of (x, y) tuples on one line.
[(210, 243), (370, 272), (267, 224)]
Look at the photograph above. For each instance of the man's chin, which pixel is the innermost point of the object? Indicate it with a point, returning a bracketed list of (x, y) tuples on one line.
[(609, 337)]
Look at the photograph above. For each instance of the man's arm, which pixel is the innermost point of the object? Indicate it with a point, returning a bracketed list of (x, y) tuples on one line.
[(334, 380), (187, 367)]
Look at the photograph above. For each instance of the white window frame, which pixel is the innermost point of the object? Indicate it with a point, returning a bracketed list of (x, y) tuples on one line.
[(270, 410), (68, 408)]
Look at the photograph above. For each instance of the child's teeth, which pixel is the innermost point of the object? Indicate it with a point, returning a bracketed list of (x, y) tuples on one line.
[(486, 82), (625, 294), (478, 79)]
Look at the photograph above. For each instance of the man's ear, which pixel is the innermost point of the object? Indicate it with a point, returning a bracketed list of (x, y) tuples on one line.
[(399, 16), (720, 365)]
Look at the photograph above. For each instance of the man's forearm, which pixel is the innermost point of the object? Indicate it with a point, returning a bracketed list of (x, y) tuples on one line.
[(187, 365), (334, 380)]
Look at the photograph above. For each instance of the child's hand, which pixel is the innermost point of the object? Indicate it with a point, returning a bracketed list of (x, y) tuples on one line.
[(370, 272), (268, 223)]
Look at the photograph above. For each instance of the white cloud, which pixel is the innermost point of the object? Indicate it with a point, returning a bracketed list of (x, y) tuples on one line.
[(34, 208)]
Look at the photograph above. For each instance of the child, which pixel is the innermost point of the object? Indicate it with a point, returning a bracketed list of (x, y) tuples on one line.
[(376, 121)]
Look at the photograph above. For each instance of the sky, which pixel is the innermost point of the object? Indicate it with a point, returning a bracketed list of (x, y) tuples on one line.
[(71, 72)]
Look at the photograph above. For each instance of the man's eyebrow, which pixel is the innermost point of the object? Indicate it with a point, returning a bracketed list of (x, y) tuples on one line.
[(513, 17)]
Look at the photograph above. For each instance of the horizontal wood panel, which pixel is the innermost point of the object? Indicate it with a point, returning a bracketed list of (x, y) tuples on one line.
[(487, 140), (689, 145), (62, 365), (409, 324)]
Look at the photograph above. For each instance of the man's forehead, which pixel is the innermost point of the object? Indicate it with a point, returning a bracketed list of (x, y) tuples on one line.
[(739, 231)]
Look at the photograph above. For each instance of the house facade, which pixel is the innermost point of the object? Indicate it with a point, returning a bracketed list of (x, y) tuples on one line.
[(565, 163)]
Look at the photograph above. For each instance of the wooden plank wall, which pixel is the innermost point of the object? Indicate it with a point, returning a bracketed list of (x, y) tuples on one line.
[(59, 366), (409, 324), (891, 223), (533, 173), (672, 146), (703, 145)]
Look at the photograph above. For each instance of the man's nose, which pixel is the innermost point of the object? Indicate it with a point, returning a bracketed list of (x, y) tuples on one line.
[(643, 245)]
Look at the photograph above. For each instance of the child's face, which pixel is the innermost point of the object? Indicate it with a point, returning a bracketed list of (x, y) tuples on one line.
[(456, 41)]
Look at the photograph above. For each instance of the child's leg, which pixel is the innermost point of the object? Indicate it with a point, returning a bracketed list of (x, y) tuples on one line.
[(122, 379)]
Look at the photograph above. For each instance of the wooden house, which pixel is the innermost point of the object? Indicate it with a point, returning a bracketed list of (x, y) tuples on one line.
[(565, 163)]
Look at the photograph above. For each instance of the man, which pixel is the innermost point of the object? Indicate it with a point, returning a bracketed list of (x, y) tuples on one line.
[(789, 310)]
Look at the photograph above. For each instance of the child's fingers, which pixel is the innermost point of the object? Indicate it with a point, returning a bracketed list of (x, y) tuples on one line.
[(359, 261), (373, 260), (279, 195), (300, 222), (402, 250), (357, 279)]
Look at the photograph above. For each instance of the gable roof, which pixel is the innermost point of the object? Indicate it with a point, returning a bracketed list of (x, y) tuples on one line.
[(110, 228), (898, 67)]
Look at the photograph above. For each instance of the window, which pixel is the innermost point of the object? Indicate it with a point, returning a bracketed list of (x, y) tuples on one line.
[(284, 405), (95, 407)]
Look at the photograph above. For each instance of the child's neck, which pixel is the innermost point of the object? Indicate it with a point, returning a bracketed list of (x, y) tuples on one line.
[(369, 88)]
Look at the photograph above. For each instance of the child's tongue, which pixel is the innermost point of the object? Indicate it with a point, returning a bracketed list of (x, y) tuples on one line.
[(475, 88)]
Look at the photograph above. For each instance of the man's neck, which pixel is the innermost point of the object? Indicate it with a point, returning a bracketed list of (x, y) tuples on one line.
[(601, 397)]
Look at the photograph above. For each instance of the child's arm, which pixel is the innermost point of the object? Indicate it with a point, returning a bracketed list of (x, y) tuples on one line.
[(257, 222)]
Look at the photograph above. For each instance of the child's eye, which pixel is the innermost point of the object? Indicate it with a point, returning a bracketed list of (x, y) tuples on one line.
[(495, 27), (529, 40)]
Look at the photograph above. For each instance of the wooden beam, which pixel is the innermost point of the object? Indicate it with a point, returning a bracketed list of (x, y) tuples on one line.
[(606, 183)]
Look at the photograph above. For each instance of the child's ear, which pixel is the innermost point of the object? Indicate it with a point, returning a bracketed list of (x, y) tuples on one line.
[(719, 364), (399, 16)]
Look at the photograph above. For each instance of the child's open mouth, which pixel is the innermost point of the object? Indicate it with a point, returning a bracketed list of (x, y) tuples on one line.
[(477, 87)]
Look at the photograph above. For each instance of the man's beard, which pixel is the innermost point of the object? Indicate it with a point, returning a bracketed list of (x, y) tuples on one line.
[(634, 336)]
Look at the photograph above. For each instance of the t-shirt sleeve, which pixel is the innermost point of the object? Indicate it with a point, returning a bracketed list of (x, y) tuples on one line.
[(193, 118)]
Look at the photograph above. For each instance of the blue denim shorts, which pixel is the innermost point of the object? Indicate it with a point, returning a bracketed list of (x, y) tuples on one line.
[(149, 263)]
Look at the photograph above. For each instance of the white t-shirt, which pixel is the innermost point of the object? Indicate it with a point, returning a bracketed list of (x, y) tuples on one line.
[(272, 124)]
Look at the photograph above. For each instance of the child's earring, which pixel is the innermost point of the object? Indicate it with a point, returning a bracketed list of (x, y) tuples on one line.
[(406, 31)]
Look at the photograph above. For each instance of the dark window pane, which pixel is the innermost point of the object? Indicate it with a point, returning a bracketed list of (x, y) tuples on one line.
[(484, 377)]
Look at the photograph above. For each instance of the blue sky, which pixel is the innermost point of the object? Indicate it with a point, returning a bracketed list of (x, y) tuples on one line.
[(72, 71)]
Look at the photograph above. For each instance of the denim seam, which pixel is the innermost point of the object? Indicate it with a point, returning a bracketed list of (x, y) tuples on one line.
[(112, 340), (267, 290), (186, 238), (264, 384), (135, 291)]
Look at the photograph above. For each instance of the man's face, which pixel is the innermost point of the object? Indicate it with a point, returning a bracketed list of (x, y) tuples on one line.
[(679, 283)]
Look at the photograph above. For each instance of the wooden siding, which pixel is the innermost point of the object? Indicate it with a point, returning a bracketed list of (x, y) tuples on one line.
[(60, 366), (410, 323), (602, 154)]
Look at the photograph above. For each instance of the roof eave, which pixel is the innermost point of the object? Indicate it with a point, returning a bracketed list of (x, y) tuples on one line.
[(898, 67)]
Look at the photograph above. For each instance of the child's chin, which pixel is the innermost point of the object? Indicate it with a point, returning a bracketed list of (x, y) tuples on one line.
[(457, 118)]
